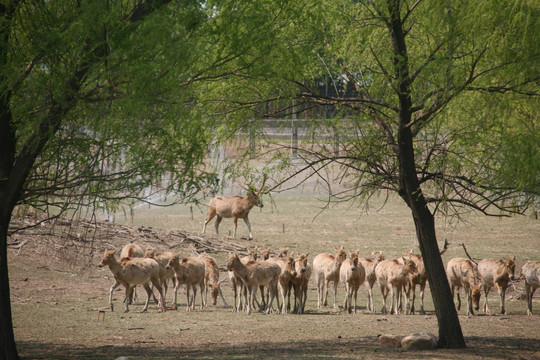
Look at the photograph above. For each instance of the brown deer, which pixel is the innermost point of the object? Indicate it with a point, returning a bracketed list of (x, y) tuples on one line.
[(530, 271), (236, 207), (132, 272), (326, 268), (498, 274), (253, 274), (392, 275), (463, 273)]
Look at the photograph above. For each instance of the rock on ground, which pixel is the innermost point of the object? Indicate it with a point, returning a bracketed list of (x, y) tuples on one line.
[(420, 341)]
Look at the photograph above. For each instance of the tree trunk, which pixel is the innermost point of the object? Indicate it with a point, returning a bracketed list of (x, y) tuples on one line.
[(450, 334), (8, 349)]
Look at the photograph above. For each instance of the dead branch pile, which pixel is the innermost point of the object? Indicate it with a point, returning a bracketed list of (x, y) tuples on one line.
[(70, 240)]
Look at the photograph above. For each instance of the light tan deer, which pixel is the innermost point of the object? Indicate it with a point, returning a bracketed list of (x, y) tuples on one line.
[(132, 272), (285, 277), (236, 207), (392, 276), (300, 282), (191, 272), (326, 268), (352, 274), (164, 273), (238, 285), (418, 278), (530, 271), (369, 266), (463, 273), (253, 274), (212, 279), (132, 251), (498, 274)]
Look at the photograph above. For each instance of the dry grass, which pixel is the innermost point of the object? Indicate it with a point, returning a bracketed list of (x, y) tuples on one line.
[(54, 299)]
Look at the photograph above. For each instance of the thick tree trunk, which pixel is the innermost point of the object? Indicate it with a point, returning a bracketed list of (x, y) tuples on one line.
[(8, 349), (450, 334)]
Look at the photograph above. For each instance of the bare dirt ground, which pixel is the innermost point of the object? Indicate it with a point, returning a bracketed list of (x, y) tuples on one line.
[(57, 289)]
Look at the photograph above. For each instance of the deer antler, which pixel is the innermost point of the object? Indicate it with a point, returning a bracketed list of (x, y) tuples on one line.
[(265, 177), (467, 253)]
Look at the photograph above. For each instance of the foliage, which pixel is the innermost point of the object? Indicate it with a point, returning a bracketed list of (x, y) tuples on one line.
[(472, 75), (131, 131)]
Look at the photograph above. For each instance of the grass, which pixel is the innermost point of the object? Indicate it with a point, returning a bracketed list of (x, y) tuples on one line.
[(54, 301)]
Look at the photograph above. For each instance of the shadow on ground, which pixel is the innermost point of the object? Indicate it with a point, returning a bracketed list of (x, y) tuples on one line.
[(363, 348)]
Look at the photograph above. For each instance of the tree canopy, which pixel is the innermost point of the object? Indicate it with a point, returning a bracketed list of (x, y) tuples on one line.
[(102, 100)]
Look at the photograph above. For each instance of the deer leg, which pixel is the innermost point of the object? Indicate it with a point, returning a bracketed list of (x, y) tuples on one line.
[(115, 285), (394, 306), (148, 296), (326, 283), (384, 292), (252, 290), (335, 295), (216, 225), (272, 288), (319, 292), (412, 298), (502, 293), (128, 290), (236, 297), (486, 306), (176, 285), (469, 302), (235, 220), (209, 217), (422, 289), (458, 299), (246, 220), (355, 297), (304, 296), (188, 296), (530, 293), (157, 285), (225, 305)]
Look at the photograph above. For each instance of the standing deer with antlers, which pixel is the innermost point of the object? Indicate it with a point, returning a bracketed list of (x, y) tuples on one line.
[(236, 207)]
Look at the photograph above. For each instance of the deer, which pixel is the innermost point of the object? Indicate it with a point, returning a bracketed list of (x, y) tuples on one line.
[(132, 251), (212, 278), (254, 274), (300, 282), (352, 274), (530, 271), (132, 272), (288, 272), (237, 284), (326, 267), (498, 274), (164, 273), (392, 275), (236, 207), (192, 272), (463, 273), (369, 266)]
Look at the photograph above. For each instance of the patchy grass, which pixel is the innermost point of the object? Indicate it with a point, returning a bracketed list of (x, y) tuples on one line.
[(55, 297)]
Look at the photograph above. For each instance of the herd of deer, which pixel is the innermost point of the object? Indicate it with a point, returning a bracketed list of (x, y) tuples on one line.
[(287, 275)]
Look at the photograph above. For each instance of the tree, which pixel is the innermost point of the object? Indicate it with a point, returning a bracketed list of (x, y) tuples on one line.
[(95, 110), (432, 97)]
